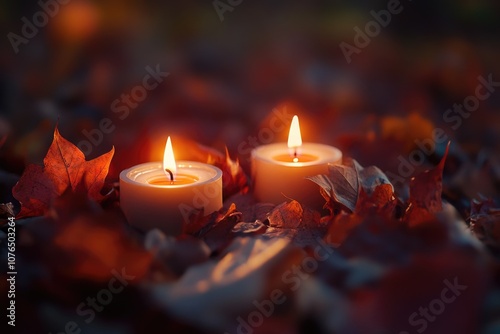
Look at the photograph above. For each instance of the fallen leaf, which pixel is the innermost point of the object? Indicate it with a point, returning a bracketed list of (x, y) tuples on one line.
[(234, 179), (485, 222), (64, 167), (381, 201), (301, 225), (215, 229), (343, 183), (250, 209), (6, 210), (245, 229), (425, 194)]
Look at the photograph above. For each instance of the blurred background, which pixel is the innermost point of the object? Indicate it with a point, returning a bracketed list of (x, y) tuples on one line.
[(231, 73), (230, 66)]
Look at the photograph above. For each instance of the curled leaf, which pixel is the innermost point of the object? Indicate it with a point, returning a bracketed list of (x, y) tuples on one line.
[(425, 194), (343, 183), (299, 224)]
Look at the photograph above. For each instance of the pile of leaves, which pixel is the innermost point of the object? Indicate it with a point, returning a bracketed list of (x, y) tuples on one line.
[(373, 261)]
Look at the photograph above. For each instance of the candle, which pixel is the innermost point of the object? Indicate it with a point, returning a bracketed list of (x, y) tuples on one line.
[(162, 195), (279, 170)]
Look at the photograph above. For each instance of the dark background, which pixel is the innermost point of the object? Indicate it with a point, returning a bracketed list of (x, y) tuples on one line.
[(226, 78)]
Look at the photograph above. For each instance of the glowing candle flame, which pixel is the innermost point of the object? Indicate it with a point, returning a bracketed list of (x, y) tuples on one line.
[(169, 160), (294, 138)]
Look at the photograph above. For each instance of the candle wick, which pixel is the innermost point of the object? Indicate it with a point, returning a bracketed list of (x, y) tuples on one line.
[(170, 174)]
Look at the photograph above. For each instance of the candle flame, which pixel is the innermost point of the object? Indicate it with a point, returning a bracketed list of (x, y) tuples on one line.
[(294, 137), (169, 159)]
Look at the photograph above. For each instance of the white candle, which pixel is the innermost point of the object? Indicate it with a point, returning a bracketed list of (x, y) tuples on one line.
[(162, 195), (279, 170)]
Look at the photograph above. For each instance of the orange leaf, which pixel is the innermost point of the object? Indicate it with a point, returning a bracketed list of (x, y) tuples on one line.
[(64, 168), (382, 201), (299, 224), (425, 194), (234, 179)]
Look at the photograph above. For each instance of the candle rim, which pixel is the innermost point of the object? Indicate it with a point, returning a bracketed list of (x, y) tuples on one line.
[(158, 166), (316, 148)]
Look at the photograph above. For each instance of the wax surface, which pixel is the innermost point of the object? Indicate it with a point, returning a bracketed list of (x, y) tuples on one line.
[(178, 180)]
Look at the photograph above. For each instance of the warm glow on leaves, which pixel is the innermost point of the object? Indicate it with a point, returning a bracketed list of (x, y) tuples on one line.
[(343, 184), (234, 179), (425, 194), (64, 168), (299, 224), (215, 229)]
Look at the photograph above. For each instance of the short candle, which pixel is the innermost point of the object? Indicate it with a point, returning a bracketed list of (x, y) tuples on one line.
[(279, 171), (162, 195)]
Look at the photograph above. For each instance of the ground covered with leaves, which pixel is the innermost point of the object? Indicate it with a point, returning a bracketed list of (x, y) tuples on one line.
[(377, 259)]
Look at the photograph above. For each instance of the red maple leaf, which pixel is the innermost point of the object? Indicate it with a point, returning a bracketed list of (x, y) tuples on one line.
[(64, 168)]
